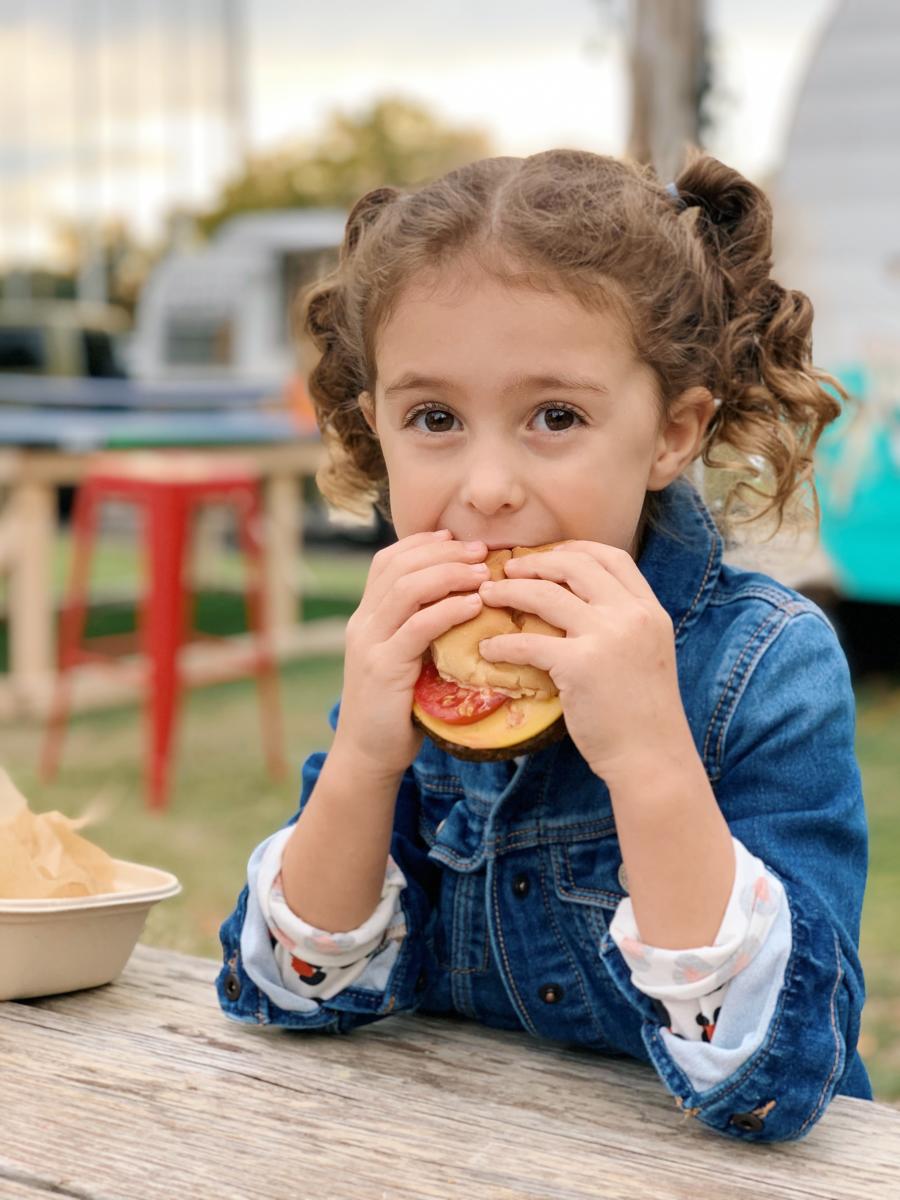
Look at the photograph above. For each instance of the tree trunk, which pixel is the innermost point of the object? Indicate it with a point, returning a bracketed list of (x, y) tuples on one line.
[(668, 78)]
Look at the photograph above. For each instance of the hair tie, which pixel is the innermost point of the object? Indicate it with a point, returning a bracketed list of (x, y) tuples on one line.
[(672, 189)]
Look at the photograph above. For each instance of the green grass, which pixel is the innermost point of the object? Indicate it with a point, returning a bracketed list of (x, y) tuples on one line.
[(223, 804), (879, 754)]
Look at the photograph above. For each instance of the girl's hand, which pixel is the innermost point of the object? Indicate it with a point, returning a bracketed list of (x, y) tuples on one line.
[(615, 668), (407, 603)]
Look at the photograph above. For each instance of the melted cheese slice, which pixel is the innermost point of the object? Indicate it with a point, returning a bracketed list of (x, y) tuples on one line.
[(517, 721)]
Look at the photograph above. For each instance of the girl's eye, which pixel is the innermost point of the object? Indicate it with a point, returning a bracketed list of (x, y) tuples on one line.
[(436, 419), (558, 419)]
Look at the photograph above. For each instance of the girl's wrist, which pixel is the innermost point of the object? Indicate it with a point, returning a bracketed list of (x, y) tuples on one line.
[(348, 759), (641, 765)]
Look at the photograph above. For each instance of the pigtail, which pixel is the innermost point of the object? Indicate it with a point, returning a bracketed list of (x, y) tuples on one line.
[(774, 402), (353, 476)]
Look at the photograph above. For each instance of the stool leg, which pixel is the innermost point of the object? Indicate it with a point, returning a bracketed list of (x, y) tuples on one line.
[(73, 619), (249, 521), (163, 621)]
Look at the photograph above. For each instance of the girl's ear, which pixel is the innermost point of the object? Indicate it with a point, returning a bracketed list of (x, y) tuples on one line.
[(367, 408), (680, 436)]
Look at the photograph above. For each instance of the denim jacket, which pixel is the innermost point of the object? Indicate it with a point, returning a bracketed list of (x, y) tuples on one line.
[(513, 875)]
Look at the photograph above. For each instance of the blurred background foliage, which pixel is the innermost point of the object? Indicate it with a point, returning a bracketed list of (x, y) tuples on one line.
[(394, 141)]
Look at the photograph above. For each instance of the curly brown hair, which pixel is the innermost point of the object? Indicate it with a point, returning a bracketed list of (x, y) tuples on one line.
[(687, 269)]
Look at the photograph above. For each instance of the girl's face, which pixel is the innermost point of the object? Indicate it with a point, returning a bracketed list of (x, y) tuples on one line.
[(517, 417)]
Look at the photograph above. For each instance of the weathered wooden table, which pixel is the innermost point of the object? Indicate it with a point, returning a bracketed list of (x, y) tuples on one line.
[(143, 1089)]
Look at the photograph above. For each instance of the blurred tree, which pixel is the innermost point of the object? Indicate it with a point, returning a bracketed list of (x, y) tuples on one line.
[(670, 80), (396, 141)]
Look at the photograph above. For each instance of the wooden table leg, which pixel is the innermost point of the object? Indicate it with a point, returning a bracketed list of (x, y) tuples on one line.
[(282, 541), (31, 608)]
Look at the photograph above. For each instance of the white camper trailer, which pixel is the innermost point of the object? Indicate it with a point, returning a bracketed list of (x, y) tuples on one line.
[(221, 312), (837, 200), (219, 315)]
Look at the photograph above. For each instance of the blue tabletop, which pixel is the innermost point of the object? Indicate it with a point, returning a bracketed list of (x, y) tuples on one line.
[(94, 414), (64, 429)]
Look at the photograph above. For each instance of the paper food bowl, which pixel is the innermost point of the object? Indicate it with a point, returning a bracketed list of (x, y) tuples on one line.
[(52, 946)]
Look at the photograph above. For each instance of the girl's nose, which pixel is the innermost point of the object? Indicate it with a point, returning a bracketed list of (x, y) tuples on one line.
[(490, 484)]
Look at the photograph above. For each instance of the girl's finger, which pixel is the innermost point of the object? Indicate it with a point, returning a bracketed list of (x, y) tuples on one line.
[(387, 554), (583, 574), (415, 558), (618, 562), (534, 649), (417, 633), (412, 592), (385, 558), (555, 604)]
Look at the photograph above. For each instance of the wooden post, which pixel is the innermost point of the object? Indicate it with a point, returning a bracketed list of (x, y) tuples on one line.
[(668, 77), (284, 521), (31, 609)]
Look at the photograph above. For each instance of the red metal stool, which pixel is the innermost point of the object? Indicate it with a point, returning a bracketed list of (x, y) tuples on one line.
[(169, 488)]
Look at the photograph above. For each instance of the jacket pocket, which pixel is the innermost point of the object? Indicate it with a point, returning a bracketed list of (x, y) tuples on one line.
[(589, 874), (451, 831)]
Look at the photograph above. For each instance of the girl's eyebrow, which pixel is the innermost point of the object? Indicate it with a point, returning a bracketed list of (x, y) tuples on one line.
[(411, 381)]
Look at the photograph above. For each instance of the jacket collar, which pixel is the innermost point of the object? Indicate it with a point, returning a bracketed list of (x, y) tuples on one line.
[(682, 555)]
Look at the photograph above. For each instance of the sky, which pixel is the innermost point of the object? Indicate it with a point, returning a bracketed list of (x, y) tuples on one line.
[(113, 108)]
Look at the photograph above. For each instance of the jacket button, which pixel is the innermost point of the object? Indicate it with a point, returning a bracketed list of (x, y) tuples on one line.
[(749, 1122), (521, 886), (551, 993), (623, 877), (232, 986)]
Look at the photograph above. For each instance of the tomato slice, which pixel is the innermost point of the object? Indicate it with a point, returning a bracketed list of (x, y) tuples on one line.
[(451, 702)]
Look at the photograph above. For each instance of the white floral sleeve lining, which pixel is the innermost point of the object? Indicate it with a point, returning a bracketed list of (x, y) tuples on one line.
[(690, 985), (316, 964)]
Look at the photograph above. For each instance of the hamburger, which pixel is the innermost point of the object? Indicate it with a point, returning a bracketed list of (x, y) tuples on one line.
[(486, 711)]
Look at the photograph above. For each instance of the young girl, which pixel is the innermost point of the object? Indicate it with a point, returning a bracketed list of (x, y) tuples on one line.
[(531, 351)]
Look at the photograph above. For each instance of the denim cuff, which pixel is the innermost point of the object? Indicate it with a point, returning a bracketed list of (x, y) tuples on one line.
[(693, 985), (784, 1086)]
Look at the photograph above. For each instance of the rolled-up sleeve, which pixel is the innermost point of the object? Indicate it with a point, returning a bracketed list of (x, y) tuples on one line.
[(784, 771), (260, 984), (315, 963), (705, 994)]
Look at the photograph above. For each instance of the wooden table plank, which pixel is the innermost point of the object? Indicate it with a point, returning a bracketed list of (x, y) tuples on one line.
[(144, 1089)]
